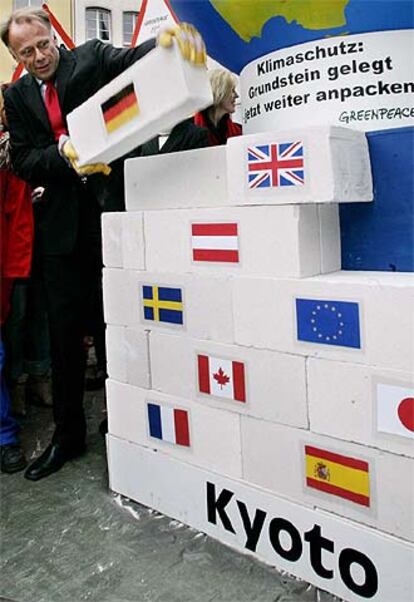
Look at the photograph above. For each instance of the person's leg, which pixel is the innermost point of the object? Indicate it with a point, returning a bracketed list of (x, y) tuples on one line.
[(37, 347), (14, 337), (93, 304), (62, 282), (63, 286), (68, 280), (11, 455)]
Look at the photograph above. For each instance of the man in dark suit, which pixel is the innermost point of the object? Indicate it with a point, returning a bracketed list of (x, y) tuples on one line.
[(68, 225)]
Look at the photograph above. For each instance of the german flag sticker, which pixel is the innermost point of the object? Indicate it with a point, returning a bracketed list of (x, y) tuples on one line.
[(121, 108)]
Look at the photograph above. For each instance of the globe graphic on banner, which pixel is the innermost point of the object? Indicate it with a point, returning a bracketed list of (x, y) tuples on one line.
[(374, 236), (238, 31)]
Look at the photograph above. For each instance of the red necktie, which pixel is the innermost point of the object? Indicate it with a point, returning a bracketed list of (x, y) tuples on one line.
[(53, 110)]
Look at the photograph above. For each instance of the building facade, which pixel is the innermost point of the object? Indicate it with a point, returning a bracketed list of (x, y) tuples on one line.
[(109, 20)]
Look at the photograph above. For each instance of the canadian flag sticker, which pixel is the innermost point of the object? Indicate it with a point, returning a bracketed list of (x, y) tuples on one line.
[(395, 409), (221, 377)]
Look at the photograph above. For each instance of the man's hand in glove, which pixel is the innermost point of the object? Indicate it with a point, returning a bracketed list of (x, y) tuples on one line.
[(189, 42), (68, 151)]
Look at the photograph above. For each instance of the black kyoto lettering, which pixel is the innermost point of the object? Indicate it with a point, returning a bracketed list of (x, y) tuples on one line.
[(280, 524), (217, 506), (252, 529), (317, 543), (347, 557)]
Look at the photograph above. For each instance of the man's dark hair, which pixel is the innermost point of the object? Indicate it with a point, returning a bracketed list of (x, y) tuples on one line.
[(23, 15)]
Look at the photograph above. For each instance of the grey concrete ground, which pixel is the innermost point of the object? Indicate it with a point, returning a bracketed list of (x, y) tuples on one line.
[(67, 538)]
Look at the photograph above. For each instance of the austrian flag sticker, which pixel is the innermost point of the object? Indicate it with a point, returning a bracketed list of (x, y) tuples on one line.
[(215, 242)]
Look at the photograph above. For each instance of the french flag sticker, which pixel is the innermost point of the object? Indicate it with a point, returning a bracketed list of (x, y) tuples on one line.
[(168, 424)]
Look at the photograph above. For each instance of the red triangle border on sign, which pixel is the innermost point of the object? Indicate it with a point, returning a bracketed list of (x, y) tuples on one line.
[(141, 18)]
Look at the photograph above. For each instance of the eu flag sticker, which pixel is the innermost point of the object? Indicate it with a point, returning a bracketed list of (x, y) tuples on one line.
[(163, 304), (328, 322)]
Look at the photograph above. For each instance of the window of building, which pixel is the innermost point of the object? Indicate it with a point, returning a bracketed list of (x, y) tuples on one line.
[(98, 24), (25, 3), (129, 20)]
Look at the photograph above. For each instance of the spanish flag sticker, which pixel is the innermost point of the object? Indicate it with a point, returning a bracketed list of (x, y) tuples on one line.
[(121, 108), (338, 475)]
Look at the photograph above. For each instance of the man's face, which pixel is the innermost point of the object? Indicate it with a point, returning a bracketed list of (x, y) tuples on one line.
[(34, 45)]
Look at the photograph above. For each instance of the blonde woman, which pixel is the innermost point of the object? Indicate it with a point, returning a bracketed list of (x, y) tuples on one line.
[(217, 117)]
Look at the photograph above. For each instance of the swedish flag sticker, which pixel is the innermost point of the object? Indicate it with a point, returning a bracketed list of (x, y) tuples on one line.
[(163, 304)]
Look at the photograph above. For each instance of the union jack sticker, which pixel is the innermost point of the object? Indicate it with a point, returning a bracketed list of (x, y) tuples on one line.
[(275, 165)]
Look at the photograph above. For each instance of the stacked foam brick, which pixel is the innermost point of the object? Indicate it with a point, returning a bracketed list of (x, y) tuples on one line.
[(257, 392)]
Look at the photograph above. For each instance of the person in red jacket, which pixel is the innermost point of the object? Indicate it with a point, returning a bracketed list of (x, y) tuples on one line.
[(16, 226), (216, 118)]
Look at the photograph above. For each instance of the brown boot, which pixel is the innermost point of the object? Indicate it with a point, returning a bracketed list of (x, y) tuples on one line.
[(39, 390), (18, 396)]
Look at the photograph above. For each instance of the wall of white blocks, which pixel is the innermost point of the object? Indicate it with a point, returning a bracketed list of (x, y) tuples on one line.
[(256, 391)]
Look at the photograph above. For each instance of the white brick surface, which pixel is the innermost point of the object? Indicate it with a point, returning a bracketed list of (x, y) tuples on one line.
[(265, 316), (342, 403), (273, 241), (133, 244), (275, 382), (194, 178), (336, 167), (330, 237), (207, 302), (120, 297), (214, 434), (112, 240), (123, 240), (116, 353), (127, 354), (273, 458)]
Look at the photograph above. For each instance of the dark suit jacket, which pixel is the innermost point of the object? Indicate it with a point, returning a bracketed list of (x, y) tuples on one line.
[(184, 136), (81, 72)]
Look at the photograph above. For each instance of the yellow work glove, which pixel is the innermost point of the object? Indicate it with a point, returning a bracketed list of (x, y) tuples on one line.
[(189, 41), (86, 170)]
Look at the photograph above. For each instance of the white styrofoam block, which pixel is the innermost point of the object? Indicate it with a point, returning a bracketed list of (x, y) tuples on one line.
[(209, 308), (275, 383), (272, 241), (343, 403), (330, 237), (137, 353), (194, 178), (391, 477), (133, 244), (112, 226), (119, 297), (167, 89), (214, 435), (265, 315), (203, 298), (116, 352), (322, 165), (286, 535), (127, 354)]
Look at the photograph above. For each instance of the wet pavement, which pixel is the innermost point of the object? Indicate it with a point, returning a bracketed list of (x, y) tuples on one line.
[(67, 538)]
